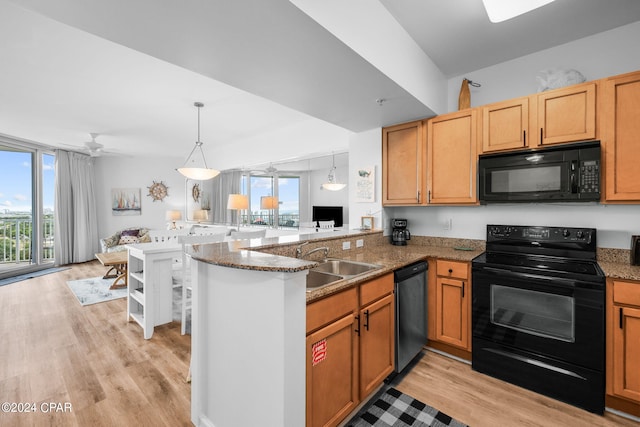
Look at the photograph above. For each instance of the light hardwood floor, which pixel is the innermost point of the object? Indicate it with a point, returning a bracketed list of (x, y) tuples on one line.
[(54, 350), (481, 401)]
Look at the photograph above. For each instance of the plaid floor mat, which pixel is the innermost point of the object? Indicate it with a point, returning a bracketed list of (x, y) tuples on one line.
[(395, 409)]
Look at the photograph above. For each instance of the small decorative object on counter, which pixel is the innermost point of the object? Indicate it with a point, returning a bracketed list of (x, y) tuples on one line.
[(367, 223)]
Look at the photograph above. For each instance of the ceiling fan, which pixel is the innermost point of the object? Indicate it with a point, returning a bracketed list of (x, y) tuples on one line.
[(94, 148)]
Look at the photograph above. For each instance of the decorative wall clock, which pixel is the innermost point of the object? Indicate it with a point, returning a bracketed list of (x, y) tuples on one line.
[(158, 191)]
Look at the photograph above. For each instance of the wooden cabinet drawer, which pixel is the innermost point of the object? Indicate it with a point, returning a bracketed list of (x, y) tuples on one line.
[(325, 311), (626, 293), (376, 289), (459, 270)]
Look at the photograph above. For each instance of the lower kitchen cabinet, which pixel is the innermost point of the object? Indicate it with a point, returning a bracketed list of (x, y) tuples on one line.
[(623, 344), (450, 311), (377, 337), (350, 349)]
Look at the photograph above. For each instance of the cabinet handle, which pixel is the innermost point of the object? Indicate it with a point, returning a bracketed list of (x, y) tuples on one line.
[(621, 319), (524, 137), (418, 196), (429, 196), (462, 289), (450, 270), (357, 331), (541, 136), (366, 320)]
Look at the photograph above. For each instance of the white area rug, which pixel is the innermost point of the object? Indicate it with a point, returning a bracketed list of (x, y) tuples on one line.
[(95, 290)]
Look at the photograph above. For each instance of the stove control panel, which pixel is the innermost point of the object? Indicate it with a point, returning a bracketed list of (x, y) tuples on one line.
[(547, 234)]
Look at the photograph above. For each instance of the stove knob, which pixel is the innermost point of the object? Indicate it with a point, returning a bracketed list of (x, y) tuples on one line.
[(566, 233), (580, 234)]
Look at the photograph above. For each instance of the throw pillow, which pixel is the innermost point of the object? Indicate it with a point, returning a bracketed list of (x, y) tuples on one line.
[(127, 240), (133, 232)]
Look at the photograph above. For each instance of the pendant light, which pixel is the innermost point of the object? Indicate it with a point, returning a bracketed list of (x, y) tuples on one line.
[(189, 169), (332, 183)]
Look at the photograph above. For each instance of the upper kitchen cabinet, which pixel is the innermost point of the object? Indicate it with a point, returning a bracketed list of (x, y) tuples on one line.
[(620, 127), (403, 175), (566, 115), (505, 125), (452, 158)]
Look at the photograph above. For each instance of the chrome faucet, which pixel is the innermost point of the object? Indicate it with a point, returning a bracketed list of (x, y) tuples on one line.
[(299, 253), (299, 249)]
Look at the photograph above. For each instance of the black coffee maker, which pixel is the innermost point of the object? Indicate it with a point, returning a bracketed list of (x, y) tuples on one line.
[(399, 232)]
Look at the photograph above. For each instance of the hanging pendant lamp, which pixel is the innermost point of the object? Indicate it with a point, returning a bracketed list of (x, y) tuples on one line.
[(190, 168), (332, 184)]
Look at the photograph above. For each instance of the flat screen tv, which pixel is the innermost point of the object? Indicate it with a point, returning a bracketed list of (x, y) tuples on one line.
[(328, 213)]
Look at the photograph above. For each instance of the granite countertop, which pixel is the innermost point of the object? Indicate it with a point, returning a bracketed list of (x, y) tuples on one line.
[(619, 270), (390, 258), (246, 254)]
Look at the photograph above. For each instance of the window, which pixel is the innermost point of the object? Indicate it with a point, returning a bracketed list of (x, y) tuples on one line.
[(26, 208), (285, 188)]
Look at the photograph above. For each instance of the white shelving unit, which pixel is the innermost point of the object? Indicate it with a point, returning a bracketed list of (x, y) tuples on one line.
[(150, 287)]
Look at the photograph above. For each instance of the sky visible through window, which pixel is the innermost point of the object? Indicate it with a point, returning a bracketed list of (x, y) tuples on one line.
[(16, 195), (288, 193)]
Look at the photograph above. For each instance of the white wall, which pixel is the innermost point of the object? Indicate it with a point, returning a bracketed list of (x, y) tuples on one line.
[(119, 172), (599, 56), (364, 151), (602, 55)]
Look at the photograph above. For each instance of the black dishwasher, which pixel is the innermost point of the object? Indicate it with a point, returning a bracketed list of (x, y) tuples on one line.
[(411, 312)]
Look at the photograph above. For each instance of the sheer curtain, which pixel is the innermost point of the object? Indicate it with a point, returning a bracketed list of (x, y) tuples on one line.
[(224, 184), (76, 221)]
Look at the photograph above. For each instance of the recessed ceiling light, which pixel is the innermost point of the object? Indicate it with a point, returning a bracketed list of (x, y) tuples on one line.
[(501, 10)]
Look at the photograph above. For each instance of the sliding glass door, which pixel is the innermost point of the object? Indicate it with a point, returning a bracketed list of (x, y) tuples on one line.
[(283, 211), (26, 209)]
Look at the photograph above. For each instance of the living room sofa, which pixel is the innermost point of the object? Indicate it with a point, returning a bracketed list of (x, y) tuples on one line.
[(120, 239)]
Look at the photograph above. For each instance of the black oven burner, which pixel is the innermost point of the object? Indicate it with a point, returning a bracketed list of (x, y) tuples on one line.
[(538, 312)]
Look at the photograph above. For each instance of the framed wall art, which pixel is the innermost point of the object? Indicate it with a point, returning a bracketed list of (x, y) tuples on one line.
[(365, 185), (125, 201)]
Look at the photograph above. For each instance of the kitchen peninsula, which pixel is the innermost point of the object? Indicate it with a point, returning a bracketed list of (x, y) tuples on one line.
[(248, 324)]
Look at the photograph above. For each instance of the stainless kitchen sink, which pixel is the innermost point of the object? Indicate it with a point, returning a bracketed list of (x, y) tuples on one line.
[(332, 270), (316, 279), (343, 267)]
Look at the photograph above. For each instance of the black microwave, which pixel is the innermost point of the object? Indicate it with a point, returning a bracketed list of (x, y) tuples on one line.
[(564, 173)]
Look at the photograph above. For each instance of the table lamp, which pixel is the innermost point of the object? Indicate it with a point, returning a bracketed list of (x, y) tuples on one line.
[(172, 217), (238, 202)]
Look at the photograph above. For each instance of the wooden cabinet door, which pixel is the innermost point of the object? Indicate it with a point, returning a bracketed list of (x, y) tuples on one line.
[(377, 340), (452, 312), (403, 150), (505, 125), (566, 115), (332, 365), (452, 158), (626, 353), (621, 137)]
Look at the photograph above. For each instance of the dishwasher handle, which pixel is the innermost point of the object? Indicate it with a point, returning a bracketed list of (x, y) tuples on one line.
[(409, 271)]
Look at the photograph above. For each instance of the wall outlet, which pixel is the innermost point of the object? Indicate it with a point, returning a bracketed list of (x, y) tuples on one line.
[(359, 243), (346, 245), (447, 224)]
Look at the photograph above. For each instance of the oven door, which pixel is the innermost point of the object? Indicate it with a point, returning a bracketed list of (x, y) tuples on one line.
[(554, 317)]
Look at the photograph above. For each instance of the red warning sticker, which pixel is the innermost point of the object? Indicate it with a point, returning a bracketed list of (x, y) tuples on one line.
[(319, 351)]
